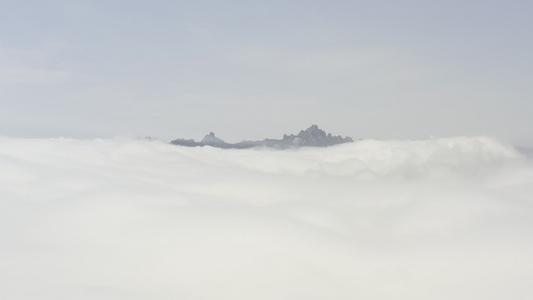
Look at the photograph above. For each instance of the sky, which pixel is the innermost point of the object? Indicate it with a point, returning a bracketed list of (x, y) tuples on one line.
[(127, 218), (257, 69)]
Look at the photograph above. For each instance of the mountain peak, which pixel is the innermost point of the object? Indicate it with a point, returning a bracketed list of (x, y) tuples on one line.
[(311, 137), (211, 140)]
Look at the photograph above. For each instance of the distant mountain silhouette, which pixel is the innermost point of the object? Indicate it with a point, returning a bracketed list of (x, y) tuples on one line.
[(311, 137)]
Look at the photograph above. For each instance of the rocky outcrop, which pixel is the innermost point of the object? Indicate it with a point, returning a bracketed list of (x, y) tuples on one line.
[(311, 137), (208, 140), (314, 137), (211, 140)]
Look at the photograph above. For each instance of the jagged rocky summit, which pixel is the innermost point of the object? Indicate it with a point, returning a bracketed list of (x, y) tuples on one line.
[(311, 137)]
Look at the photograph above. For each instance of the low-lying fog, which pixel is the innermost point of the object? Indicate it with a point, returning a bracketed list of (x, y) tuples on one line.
[(135, 219)]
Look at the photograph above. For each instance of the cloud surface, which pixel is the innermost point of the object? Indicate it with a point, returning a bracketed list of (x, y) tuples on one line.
[(135, 219)]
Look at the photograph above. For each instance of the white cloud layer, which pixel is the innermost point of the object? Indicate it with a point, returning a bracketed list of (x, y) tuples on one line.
[(136, 219)]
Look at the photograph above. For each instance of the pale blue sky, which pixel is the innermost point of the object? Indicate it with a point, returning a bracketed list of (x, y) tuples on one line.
[(256, 69)]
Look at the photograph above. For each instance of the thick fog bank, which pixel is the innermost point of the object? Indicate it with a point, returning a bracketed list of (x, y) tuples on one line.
[(134, 219)]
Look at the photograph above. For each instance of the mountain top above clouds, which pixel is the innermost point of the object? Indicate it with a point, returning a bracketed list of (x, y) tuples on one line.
[(311, 137)]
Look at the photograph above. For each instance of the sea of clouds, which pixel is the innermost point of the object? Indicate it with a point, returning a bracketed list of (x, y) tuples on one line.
[(135, 219)]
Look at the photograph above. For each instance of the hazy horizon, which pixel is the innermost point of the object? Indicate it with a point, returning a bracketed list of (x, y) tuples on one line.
[(249, 70)]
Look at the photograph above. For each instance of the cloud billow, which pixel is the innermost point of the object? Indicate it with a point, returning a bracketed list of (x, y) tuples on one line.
[(135, 219)]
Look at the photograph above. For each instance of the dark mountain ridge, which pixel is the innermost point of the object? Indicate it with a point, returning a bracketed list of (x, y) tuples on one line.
[(311, 137)]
